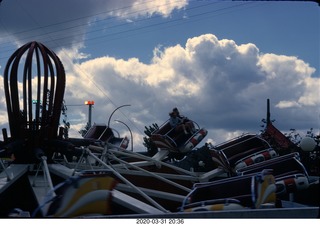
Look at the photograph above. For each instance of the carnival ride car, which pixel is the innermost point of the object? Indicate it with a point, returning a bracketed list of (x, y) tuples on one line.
[(98, 177), (166, 137)]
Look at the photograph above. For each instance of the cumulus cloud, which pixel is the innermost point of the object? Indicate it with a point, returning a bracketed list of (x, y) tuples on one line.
[(219, 84)]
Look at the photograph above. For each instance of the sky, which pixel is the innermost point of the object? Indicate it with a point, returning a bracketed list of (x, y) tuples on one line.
[(217, 61)]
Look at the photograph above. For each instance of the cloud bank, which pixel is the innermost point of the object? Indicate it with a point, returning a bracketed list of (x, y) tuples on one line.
[(222, 85), (219, 84)]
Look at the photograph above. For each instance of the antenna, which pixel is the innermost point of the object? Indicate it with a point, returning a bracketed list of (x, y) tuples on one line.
[(268, 112)]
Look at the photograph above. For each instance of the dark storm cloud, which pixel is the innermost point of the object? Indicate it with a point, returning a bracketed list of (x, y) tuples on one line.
[(61, 23)]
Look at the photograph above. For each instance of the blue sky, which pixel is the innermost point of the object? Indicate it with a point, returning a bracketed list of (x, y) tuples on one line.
[(275, 27), (217, 61)]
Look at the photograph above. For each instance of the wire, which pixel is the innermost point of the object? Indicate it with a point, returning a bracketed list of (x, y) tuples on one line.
[(116, 34), (82, 18), (130, 32)]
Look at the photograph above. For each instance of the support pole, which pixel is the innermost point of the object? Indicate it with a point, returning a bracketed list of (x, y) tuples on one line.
[(90, 104), (90, 115)]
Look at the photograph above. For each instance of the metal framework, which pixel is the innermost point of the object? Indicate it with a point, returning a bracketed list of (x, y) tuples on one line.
[(34, 85)]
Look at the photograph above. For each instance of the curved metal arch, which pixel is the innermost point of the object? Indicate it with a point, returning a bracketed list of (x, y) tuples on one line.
[(34, 85)]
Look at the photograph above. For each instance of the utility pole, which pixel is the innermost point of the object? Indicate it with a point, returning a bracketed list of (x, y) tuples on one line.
[(90, 104)]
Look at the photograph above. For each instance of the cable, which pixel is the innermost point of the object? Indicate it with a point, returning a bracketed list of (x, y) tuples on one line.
[(146, 27), (85, 17), (134, 29)]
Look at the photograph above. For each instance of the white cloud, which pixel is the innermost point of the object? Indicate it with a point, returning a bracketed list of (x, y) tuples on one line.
[(143, 7), (311, 96), (219, 84), (287, 104)]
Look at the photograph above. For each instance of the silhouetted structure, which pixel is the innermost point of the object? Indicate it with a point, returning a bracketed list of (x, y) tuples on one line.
[(34, 84)]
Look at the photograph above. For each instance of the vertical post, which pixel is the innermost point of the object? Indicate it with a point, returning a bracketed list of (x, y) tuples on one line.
[(5, 134), (90, 115), (268, 112), (90, 104)]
